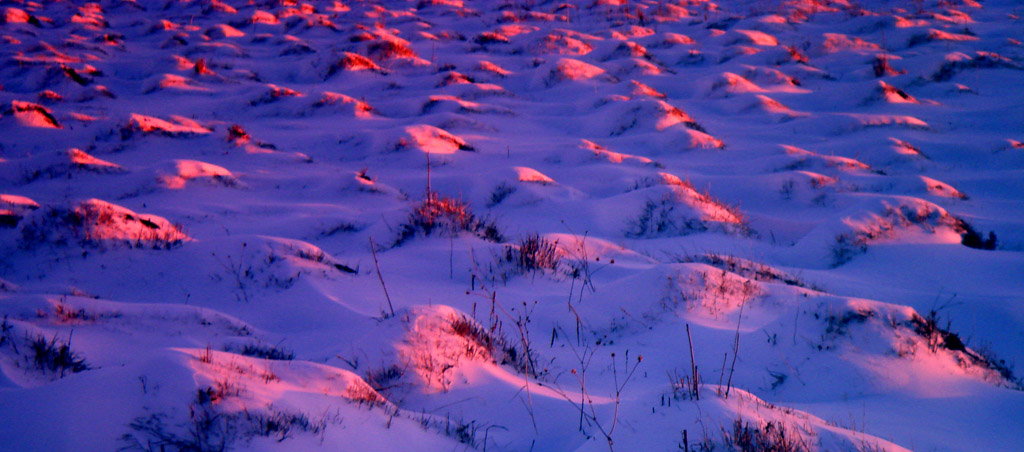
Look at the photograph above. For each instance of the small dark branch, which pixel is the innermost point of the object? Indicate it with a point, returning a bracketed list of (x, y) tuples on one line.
[(373, 250), (694, 390), (735, 350)]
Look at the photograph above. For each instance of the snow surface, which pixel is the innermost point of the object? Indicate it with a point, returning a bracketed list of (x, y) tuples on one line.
[(484, 225)]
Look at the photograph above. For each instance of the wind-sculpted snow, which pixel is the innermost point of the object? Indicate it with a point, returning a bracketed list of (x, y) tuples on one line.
[(789, 225)]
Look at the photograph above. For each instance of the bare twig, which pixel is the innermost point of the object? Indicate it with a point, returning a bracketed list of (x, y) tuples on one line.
[(620, 387), (694, 390), (429, 190), (239, 271), (735, 350), (373, 250), (721, 374)]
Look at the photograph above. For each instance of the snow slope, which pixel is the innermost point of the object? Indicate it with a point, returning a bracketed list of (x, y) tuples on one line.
[(518, 226)]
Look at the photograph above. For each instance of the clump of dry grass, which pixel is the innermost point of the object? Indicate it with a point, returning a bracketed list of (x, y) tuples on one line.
[(533, 253), (446, 217), (488, 343), (57, 357), (770, 437)]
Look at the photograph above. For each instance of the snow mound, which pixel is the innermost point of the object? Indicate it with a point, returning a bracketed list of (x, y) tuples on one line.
[(885, 92), (492, 69), (452, 104), (65, 164), (839, 124), (640, 89), (442, 344), (335, 102), (95, 223), (934, 35), (352, 62), (566, 70), (15, 16), (837, 42), (258, 383), (643, 115), (18, 202), (562, 42), (633, 67), (530, 175), (956, 63), (802, 159), (729, 84), (623, 50), (773, 109), (431, 140), (601, 153), (677, 139), (677, 209), (177, 127), (13, 208), (750, 37), (221, 31), (172, 82), (184, 171), (883, 219), (28, 114)]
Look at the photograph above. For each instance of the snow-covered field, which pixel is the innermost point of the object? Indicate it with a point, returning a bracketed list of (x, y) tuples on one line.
[(437, 225)]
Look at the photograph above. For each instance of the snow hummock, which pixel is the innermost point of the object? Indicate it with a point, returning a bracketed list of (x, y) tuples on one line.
[(509, 226)]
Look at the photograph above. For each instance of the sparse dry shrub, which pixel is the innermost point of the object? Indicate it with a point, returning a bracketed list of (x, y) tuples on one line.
[(532, 253), (237, 134), (384, 378), (362, 393), (490, 344), (1006, 370), (446, 217), (500, 194), (973, 239), (221, 389), (67, 314), (263, 351), (796, 55), (489, 37), (209, 430), (773, 436), (658, 218), (6, 333), (846, 247), (320, 257), (56, 357), (938, 338), (837, 325), (206, 431), (281, 425), (882, 68)]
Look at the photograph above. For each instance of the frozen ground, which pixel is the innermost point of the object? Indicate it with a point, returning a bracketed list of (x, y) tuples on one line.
[(447, 225)]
